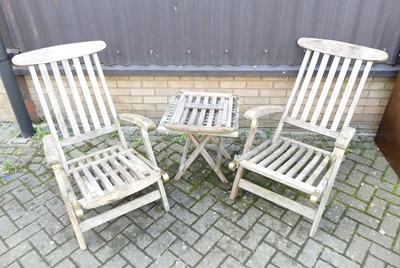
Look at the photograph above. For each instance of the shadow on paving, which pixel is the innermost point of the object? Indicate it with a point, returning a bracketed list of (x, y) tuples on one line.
[(360, 227)]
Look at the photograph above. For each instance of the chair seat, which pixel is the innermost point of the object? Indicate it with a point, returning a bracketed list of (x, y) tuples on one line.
[(290, 162), (109, 175)]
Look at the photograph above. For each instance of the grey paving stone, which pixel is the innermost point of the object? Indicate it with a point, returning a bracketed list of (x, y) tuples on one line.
[(226, 211), (3, 248), (182, 198), (160, 225), (276, 225), (282, 244), (231, 262), (345, 229), (372, 262), (351, 201), (42, 242), (394, 209), (378, 183), (269, 208), (390, 225), (61, 252), (350, 190), (140, 218), (208, 240), (331, 241), (167, 259), (115, 228), (300, 232), (159, 245), (22, 234), (135, 256), (322, 264), (233, 248), (290, 218), (202, 190), (335, 211), (206, 221), (358, 248), (368, 170), (249, 218), (32, 259), (377, 207), (7, 227), (254, 236), (362, 218), (310, 252), (390, 176), (110, 249), (115, 262), (380, 163), (336, 259), (230, 229), (282, 260), (137, 236), (212, 259), (261, 256), (385, 255), (66, 263), (183, 214), (14, 254), (203, 205), (14, 209), (185, 233), (185, 252), (365, 192), (375, 236)]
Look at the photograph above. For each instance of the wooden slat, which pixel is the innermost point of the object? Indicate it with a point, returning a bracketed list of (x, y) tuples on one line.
[(315, 128), (302, 144), (277, 153), (292, 94), (335, 93), (346, 95), (282, 158), (301, 186), (299, 164), (310, 166), (87, 136), (210, 118), (315, 88), (225, 113), (143, 166), (193, 115), (103, 178), (230, 112), (117, 166), (86, 93), (202, 115), (318, 170), (294, 159), (138, 172), (219, 114), (257, 158), (357, 94), (113, 175), (180, 106), (82, 186), (65, 98), (91, 182), (53, 100), (278, 199), (255, 151), (183, 115), (304, 86), (325, 90), (76, 95), (96, 90)]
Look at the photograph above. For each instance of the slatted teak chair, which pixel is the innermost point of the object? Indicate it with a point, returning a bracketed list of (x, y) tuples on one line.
[(81, 106), (316, 104)]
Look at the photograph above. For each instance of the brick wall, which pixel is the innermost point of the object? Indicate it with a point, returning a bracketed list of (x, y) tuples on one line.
[(148, 95)]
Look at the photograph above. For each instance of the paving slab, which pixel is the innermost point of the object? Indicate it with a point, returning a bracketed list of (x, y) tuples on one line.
[(360, 227)]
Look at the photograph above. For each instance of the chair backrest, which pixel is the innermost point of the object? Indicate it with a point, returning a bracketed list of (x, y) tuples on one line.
[(80, 103), (326, 105)]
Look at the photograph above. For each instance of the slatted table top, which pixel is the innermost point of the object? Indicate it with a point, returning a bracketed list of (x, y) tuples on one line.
[(201, 113)]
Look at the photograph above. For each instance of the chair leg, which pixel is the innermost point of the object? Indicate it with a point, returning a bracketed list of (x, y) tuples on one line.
[(164, 199), (75, 225), (235, 186), (324, 200)]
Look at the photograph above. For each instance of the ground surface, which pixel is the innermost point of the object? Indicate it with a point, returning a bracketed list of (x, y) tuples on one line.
[(204, 228)]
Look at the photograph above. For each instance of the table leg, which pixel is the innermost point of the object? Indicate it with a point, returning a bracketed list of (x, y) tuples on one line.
[(188, 162), (208, 158)]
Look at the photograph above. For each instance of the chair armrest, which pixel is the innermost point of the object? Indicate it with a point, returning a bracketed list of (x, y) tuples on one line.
[(139, 120), (50, 150), (259, 111), (345, 137)]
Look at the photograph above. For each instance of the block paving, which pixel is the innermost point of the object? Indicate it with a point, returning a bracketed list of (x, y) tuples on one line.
[(360, 227)]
